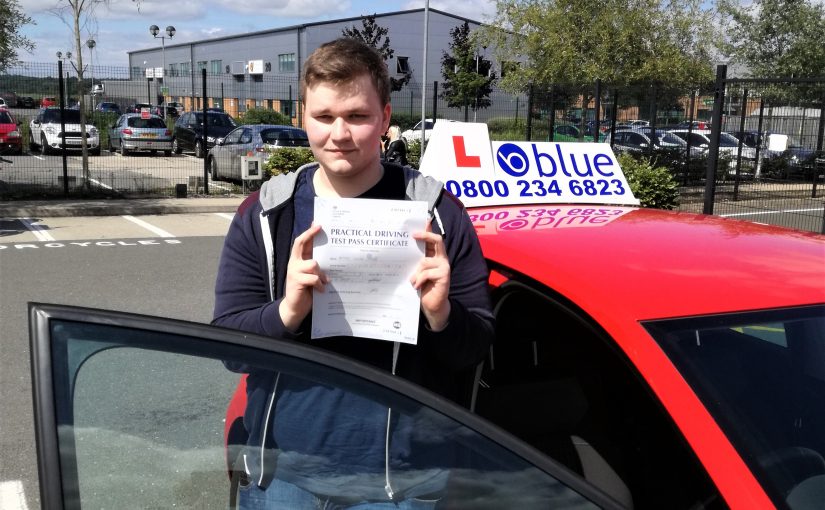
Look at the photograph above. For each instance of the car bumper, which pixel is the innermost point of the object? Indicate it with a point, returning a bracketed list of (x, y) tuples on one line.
[(74, 143), (148, 145)]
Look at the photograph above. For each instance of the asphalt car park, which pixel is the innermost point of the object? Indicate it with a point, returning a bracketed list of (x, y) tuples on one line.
[(643, 359)]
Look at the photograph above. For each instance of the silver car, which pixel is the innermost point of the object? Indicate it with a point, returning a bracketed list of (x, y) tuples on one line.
[(225, 156), (139, 132)]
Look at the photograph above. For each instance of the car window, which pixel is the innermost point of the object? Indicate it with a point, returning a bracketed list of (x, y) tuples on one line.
[(150, 123), (144, 411), (5, 118), (635, 140), (762, 377), (285, 137), (69, 116), (246, 136), (568, 390), (220, 120), (233, 137)]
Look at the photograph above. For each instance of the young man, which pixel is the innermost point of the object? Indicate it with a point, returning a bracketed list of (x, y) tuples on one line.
[(267, 275)]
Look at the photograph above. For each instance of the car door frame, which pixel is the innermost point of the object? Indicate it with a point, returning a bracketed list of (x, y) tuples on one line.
[(51, 473)]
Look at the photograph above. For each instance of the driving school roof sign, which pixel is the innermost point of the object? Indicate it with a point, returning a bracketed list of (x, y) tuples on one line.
[(481, 174)]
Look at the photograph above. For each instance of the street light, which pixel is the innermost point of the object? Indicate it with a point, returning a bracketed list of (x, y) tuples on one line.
[(91, 44), (170, 32)]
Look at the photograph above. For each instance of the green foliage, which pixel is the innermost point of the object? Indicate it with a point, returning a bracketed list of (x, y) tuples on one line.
[(103, 121), (655, 187), (11, 19), (372, 34), (263, 116), (414, 153), (619, 41), (286, 159), (468, 77)]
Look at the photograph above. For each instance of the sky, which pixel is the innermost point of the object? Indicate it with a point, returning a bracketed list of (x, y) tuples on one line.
[(117, 25)]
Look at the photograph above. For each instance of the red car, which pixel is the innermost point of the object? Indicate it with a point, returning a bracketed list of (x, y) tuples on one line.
[(48, 101), (11, 142), (644, 359)]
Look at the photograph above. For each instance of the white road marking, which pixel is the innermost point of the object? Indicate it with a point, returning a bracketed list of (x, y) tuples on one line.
[(37, 230), (41, 158), (148, 226), (228, 216), (12, 496), (101, 184), (769, 212)]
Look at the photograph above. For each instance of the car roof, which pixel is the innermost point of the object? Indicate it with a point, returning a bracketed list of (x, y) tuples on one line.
[(261, 127), (623, 267)]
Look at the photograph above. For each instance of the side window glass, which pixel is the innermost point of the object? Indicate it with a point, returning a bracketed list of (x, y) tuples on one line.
[(156, 419), (567, 391)]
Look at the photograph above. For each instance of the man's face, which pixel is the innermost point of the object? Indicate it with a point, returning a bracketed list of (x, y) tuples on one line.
[(344, 124)]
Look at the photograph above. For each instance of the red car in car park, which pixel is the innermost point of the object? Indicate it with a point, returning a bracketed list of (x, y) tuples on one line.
[(643, 359), (11, 141), (48, 101)]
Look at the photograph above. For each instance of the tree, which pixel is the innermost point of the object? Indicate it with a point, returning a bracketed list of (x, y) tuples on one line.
[(622, 42), (78, 14), (372, 34), (468, 77), (776, 38), (11, 19)]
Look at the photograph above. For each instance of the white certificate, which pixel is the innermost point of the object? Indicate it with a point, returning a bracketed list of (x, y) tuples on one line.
[(366, 248)]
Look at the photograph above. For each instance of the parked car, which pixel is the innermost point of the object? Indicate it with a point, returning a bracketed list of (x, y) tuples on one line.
[(414, 133), (728, 146), (45, 134), (137, 107), (25, 102), (108, 107), (188, 132), (48, 101), (132, 132), (11, 141), (3, 103), (178, 106), (638, 140), (633, 378), (171, 111), (225, 156), (797, 156)]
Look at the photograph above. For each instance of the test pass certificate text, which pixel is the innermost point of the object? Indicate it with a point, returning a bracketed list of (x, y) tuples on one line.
[(367, 250)]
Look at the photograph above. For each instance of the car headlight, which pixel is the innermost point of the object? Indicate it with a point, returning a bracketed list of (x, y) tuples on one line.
[(93, 131), (14, 134), (210, 139)]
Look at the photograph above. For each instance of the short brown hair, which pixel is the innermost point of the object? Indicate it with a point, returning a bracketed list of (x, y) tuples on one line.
[(341, 61)]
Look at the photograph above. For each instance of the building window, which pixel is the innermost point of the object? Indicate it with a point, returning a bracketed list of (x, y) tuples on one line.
[(286, 63), (185, 70), (174, 70), (137, 72), (202, 65), (402, 65), (215, 66)]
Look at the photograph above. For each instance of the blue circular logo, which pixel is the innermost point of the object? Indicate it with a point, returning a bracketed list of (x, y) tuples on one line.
[(512, 159)]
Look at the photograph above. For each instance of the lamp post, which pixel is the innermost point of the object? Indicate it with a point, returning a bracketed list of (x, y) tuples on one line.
[(64, 57), (91, 44), (170, 32)]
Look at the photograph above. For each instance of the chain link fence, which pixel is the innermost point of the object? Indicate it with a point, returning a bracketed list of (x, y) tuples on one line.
[(767, 163)]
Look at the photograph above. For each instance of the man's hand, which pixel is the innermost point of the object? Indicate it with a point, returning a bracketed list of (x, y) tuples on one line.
[(432, 277), (302, 275)]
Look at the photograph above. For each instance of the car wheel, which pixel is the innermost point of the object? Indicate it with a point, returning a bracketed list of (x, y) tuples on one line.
[(20, 150), (123, 150), (153, 152), (96, 151), (213, 169), (175, 147), (198, 149), (111, 149), (44, 145), (167, 153)]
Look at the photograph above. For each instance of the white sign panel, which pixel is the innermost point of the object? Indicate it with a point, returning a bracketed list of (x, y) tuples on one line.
[(483, 174), (150, 72), (255, 67)]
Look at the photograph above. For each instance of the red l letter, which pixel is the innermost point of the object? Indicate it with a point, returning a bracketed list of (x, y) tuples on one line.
[(461, 157)]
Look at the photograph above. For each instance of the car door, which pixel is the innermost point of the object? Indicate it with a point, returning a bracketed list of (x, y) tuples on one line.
[(241, 148), (225, 154), (115, 132), (138, 412)]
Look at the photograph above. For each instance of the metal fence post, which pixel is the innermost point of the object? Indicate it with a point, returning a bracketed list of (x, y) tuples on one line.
[(529, 113), (552, 127), (597, 120), (615, 114), (205, 136), (758, 172), (62, 128), (691, 118), (739, 149), (819, 156), (715, 130)]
